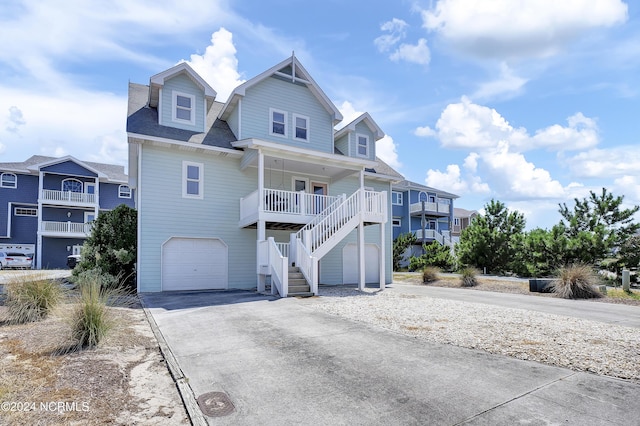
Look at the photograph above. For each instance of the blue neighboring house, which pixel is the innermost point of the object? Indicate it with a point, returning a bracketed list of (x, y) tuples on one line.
[(47, 205), (270, 187), (417, 208)]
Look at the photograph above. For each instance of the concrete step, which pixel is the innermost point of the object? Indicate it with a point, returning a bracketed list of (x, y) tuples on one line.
[(294, 269), (297, 281), (299, 289), (301, 294), (296, 276)]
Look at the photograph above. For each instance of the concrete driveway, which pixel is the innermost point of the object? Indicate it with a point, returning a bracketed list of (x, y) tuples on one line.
[(280, 362)]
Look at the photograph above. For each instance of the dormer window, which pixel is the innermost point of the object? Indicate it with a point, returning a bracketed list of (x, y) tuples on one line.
[(301, 130), (362, 147), (184, 108), (124, 191), (8, 180), (278, 122)]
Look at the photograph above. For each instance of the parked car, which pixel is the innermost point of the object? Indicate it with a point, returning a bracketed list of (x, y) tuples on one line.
[(16, 260), (73, 260)]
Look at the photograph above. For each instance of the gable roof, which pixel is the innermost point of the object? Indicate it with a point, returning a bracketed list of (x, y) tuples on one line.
[(459, 212), (110, 172), (158, 80), (351, 127), (407, 184), (290, 68)]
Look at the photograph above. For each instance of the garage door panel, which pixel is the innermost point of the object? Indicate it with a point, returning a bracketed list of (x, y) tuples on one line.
[(194, 264)]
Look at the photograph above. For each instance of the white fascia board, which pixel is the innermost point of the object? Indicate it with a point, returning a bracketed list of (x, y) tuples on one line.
[(276, 148), (140, 138), (160, 78)]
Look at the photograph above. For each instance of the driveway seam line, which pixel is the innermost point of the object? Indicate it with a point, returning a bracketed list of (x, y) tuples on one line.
[(515, 398)]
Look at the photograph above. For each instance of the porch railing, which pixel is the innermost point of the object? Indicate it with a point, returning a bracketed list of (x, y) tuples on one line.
[(66, 227), (284, 202), (430, 207), (432, 234), (68, 196)]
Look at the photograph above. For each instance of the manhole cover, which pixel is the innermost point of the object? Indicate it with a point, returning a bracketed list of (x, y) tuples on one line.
[(215, 404)]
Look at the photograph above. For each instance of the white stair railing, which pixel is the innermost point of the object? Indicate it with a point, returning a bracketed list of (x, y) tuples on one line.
[(278, 268), (308, 265)]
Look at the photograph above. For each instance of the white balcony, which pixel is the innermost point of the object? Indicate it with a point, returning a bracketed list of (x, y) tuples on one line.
[(65, 229), (282, 206), (67, 198), (430, 208)]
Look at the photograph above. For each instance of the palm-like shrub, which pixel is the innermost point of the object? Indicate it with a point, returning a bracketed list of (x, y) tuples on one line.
[(30, 299), (468, 277), (576, 282), (430, 274)]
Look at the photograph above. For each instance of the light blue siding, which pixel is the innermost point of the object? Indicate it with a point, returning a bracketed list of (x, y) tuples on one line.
[(343, 144), (183, 84), (166, 214), (290, 98), (363, 129)]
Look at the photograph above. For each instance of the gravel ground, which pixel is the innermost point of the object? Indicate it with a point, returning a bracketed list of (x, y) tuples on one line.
[(578, 344)]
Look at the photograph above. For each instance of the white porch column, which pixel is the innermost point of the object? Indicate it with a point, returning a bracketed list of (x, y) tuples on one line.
[(261, 232), (361, 265), (383, 255)]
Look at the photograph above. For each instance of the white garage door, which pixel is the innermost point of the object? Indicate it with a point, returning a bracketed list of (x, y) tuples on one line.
[(194, 264), (350, 263)]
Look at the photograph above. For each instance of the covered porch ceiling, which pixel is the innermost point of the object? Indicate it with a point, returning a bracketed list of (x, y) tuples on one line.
[(278, 157)]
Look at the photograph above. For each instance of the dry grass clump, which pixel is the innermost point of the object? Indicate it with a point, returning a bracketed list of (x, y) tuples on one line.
[(91, 319), (31, 298), (576, 282), (430, 274), (468, 277)]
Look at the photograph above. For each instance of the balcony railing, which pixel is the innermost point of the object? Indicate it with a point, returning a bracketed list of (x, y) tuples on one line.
[(66, 227), (430, 207), (50, 195), (280, 202)]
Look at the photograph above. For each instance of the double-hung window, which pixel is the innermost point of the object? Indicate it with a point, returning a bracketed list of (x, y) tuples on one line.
[(184, 108), (8, 180), (277, 122), (396, 198), (124, 191), (362, 145), (192, 180), (301, 127)]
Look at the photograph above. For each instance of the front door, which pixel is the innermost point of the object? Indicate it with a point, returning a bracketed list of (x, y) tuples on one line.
[(319, 188)]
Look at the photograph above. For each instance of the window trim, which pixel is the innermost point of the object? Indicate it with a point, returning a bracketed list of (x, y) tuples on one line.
[(186, 180), (271, 121), (31, 209), (295, 127), (72, 180), (400, 196), (358, 136), (396, 219), (456, 221), (175, 107), (90, 214), (120, 191), (15, 181)]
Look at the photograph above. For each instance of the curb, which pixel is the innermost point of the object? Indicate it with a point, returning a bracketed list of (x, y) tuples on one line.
[(182, 383)]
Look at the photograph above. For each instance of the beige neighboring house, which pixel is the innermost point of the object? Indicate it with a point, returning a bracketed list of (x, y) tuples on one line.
[(461, 219)]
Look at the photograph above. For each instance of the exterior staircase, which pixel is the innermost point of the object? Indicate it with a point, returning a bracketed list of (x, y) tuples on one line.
[(298, 286)]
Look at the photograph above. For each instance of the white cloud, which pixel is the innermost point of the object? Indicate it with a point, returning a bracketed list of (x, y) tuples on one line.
[(526, 28), (219, 65), (425, 131), (506, 85), (418, 53), (15, 119), (452, 180), (386, 149), (349, 113), (606, 163), (629, 186), (396, 29), (466, 125)]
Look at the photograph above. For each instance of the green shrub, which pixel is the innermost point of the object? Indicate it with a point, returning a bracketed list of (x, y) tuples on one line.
[(30, 299), (91, 319), (430, 274), (468, 277), (576, 282)]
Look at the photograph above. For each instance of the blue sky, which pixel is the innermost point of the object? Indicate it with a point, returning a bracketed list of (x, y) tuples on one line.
[(531, 102)]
